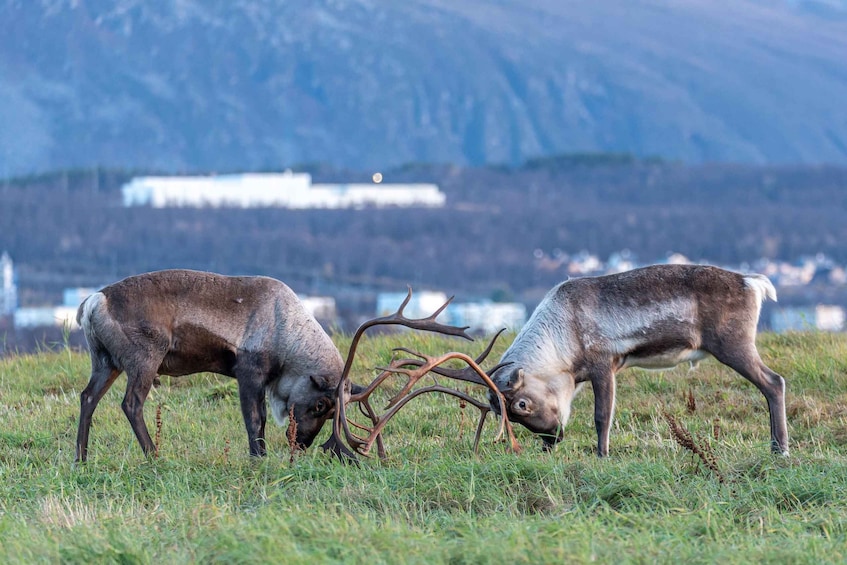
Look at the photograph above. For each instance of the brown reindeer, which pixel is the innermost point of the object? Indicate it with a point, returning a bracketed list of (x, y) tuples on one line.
[(180, 322)]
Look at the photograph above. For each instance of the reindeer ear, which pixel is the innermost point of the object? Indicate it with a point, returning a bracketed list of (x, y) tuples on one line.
[(515, 380), (320, 382)]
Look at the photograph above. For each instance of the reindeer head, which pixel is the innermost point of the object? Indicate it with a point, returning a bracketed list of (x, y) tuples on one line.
[(541, 405), (309, 399)]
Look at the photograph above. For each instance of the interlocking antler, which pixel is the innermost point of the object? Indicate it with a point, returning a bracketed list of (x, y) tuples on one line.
[(347, 392), (398, 318), (467, 374)]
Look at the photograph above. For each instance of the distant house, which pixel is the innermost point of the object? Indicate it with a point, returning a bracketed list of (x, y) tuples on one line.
[(73, 297), (488, 317), (285, 190), (321, 307), (9, 289), (61, 316), (821, 317)]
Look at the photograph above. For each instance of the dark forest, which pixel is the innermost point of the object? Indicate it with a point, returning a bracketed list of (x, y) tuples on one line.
[(70, 229)]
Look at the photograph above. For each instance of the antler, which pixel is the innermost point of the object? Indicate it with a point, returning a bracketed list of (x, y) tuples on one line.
[(423, 365), (398, 318), (344, 389), (363, 445), (467, 374), (406, 394)]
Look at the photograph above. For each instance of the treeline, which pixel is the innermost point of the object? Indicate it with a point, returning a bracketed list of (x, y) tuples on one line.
[(498, 236)]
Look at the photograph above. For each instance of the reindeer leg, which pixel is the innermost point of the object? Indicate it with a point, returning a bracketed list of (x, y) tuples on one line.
[(139, 383), (747, 363), (251, 394), (103, 374), (775, 396), (603, 383), (263, 416)]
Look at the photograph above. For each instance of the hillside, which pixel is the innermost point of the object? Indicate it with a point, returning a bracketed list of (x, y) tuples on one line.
[(224, 85)]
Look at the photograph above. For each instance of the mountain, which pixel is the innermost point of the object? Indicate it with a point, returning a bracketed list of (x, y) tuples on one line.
[(185, 85)]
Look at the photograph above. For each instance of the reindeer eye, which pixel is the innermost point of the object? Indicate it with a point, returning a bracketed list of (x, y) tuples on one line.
[(522, 404), (320, 406)]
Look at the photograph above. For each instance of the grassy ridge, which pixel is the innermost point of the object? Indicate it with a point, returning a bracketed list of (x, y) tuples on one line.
[(205, 500)]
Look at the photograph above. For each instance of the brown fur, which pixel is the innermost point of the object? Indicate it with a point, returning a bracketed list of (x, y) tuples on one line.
[(180, 322)]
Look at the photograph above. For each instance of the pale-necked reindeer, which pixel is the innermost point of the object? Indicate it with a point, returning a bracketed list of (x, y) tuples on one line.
[(588, 329), (254, 329)]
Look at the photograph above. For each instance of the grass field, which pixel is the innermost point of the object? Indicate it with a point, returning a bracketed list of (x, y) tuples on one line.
[(432, 501)]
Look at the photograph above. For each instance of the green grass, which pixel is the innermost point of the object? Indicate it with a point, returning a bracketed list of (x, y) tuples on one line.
[(432, 500)]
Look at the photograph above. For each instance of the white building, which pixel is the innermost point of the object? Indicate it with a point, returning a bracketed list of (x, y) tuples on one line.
[(61, 316), (322, 308), (821, 317), (489, 317), (73, 297), (9, 297), (285, 190)]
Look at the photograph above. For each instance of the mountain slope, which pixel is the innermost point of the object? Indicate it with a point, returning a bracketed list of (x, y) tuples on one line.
[(236, 84)]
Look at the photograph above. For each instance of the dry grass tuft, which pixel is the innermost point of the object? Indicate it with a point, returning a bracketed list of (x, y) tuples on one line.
[(158, 438), (703, 450), (291, 435), (690, 403)]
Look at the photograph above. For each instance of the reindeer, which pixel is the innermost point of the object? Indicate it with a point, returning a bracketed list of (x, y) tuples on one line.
[(656, 317), (181, 322), (254, 329)]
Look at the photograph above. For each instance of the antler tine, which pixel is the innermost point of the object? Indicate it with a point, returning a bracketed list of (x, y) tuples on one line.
[(468, 374), (489, 347), (334, 443), (365, 393), (497, 367), (435, 314), (414, 377), (399, 318)]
